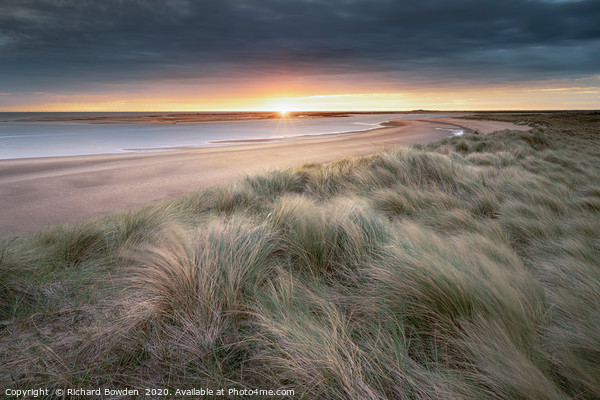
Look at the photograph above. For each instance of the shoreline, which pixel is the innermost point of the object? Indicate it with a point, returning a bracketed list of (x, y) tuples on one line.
[(166, 118), (250, 141), (195, 136), (450, 121), (46, 191)]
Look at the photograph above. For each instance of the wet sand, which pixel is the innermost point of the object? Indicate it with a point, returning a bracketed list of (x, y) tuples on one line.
[(40, 192)]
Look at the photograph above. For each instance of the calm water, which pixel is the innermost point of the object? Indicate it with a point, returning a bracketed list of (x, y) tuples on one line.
[(20, 139)]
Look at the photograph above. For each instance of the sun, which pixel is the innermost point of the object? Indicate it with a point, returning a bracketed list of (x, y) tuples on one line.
[(283, 110)]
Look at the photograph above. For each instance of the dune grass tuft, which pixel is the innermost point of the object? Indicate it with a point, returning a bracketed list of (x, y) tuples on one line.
[(465, 268)]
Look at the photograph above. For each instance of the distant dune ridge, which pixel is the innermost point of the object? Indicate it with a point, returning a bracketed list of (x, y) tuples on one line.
[(467, 267)]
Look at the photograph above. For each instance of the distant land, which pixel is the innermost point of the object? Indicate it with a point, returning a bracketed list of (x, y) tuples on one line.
[(160, 117)]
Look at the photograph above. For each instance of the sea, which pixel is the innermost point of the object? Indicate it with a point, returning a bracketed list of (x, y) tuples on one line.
[(22, 138)]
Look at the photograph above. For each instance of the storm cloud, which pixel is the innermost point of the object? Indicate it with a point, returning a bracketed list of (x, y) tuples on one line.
[(52, 44)]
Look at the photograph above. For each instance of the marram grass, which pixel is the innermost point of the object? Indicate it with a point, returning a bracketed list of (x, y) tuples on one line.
[(466, 268)]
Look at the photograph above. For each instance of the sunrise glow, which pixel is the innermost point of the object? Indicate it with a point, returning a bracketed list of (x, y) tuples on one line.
[(580, 93)]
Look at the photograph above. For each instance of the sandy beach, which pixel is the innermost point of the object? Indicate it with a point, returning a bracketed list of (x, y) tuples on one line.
[(41, 192)]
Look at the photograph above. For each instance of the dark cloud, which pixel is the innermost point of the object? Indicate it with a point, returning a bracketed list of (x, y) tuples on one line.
[(47, 44)]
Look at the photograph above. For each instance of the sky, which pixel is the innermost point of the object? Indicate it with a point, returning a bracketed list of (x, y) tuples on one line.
[(186, 55)]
